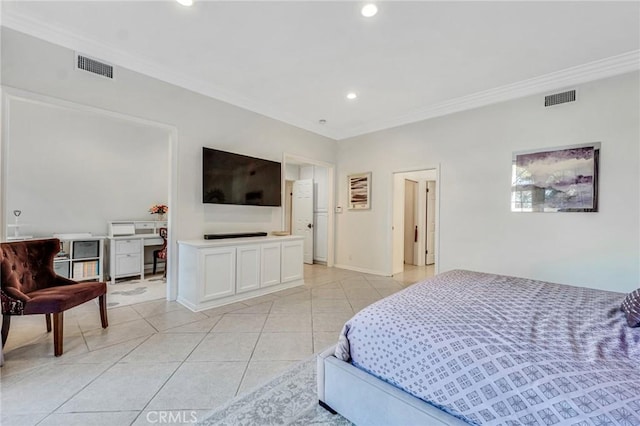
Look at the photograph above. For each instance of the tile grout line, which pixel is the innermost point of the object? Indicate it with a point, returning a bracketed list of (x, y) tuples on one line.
[(169, 378), (95, 378), (181, 362), (119, 360), (279, 297), (255, 345), (82, 333)]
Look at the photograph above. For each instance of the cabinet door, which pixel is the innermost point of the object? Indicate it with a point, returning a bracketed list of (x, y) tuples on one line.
[(218, 267), (270, 264), (127, 264), (127, 246), (292, 261), (247, 268)]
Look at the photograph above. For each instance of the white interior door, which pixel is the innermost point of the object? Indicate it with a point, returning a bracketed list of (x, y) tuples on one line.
[(302, 215), (431, 222)]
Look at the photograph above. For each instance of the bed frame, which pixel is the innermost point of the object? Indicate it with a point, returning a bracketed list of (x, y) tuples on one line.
[(366, 400)]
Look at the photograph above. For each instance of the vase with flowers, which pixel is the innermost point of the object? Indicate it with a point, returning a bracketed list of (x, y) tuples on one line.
[(160, 210)]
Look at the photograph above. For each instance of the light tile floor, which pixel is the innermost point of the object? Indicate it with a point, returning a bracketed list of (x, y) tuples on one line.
[(160, 359)]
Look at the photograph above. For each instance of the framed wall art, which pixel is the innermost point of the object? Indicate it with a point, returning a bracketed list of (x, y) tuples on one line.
[(561, 179), (359, 191)]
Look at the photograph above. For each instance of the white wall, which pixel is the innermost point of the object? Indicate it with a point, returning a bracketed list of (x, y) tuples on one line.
[(292, 172), (306, 172), (72, 171), (477, 229), (200, 121)]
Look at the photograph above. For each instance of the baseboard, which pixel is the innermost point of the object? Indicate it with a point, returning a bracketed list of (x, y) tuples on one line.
[(186, 303), (363, 270)]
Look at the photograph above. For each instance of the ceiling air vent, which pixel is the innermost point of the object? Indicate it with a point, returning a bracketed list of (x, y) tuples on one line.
[(96, 67), (560, 98)]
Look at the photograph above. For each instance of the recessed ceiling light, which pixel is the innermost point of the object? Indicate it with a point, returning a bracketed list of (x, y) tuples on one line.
[(322, 121), (185, 2), (369, 10), (351, 95)]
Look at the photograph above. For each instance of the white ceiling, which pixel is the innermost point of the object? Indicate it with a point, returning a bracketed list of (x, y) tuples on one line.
[(295, 61)]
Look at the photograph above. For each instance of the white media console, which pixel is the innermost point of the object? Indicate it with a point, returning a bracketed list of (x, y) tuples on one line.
[(212, 273)]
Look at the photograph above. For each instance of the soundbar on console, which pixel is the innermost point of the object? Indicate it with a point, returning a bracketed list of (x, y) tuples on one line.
[(234, 235)]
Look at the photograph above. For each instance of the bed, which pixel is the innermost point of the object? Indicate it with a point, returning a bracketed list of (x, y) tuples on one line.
[(474, 348)]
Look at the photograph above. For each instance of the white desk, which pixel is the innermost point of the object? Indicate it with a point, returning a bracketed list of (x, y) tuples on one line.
[(127, 241)]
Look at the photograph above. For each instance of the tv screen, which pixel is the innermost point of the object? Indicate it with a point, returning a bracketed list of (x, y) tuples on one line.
[(238, 179)]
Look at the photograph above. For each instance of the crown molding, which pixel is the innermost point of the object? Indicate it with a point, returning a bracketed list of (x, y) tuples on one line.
[(608, 67), (596, 70), (118, 57)]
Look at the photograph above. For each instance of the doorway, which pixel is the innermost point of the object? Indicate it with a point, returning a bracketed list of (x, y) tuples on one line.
[(415, 220), (308, 201), (116, 142)]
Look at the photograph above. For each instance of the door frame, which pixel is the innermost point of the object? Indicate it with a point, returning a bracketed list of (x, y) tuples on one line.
[(10, 94), (296, 159), (426, 224), (390, 214)]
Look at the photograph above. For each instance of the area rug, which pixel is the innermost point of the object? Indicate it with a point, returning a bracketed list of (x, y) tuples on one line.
[(128, 292), (288, 399)]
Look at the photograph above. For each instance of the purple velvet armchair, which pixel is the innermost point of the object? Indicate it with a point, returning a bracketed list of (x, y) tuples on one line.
[(30, 286)]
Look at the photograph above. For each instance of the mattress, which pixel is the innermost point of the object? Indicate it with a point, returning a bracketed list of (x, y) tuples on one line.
[(492, 349)]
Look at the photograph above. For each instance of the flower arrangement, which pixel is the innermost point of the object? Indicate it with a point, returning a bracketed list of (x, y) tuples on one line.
[(158, 209)]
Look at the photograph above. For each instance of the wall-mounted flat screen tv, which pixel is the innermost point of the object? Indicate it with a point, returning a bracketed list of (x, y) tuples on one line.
[(229, 178)]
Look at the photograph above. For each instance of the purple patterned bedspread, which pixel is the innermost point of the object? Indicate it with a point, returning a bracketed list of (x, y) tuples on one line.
[(494, 349)]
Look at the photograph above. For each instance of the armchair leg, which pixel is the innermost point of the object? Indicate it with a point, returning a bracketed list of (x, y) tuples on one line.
[(58, 335), (155, 263), (47, 318), (103, 310), (6, 322)]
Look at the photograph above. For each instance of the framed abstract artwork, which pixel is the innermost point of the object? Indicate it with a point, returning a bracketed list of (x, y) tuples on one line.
[(561, 179), (359, 191)]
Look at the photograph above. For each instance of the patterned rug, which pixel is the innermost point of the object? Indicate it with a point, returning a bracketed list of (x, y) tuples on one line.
[(289, 399), (128, 292)]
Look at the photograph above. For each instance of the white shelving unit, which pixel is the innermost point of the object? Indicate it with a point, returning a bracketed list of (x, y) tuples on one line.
[(80, 259)]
